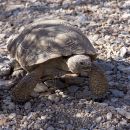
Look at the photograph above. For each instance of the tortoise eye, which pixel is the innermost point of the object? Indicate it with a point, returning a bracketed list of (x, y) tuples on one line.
[(82, 63)]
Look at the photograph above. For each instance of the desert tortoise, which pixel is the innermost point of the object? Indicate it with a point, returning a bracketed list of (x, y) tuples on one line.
[(51, 49)]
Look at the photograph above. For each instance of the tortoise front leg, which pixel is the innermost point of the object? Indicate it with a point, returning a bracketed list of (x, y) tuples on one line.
[(72, 79), (22, 91), (98, 82)]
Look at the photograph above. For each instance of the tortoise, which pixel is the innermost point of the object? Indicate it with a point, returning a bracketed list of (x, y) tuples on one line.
[(50, 49)]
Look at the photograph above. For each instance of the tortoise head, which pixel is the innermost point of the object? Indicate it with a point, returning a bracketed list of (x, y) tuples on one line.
[(79, 64)]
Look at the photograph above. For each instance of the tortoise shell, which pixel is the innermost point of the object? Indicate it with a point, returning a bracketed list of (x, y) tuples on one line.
[(48, 39)]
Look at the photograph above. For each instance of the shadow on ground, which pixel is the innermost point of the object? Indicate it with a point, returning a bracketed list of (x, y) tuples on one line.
[(72, 110)]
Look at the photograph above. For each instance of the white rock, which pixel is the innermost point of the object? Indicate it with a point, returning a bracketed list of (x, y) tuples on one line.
[(2, 36), (123, 122), (126, 4), (53, 97), (109, 116), (123, 51), (125, 16), (14, 6), (98, 119), (40, 87), (4, 69), (123, 113), (95, 37), (43, 117), (12, 115)]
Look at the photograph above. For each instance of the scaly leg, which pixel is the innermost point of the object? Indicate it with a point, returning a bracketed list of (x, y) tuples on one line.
[(98, 82), (22, 91)]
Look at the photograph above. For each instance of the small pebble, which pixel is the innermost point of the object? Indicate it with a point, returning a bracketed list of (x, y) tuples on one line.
[(53, 97), (98, 119), (109, 116), (69, 127), (117, 93), (123, 51), (40, 87), (73, 88), (50, 128), (27, 106), (123, 112), (12, 115), (11, 106)]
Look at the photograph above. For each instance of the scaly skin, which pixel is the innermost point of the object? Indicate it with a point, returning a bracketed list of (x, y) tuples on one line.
[(98, 82), (22, 91)]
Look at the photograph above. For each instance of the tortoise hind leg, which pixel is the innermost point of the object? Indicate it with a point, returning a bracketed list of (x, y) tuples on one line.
[(98, 82), (18, 71)]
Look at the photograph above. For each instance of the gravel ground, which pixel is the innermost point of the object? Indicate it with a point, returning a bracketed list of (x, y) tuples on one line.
[(107, 24)]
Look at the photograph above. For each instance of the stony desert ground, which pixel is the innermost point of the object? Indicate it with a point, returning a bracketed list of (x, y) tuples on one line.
[(107, 25)]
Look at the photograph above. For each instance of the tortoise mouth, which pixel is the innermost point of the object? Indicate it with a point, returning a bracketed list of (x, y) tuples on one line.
[(85, 71)]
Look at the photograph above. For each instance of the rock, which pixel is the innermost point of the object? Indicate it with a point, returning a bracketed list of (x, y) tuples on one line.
[(37, 125), (123, 113), (82, 19), (117, 93), (69, 127), (114, 100), (27, 106), (50, 128), (6, 84), (126, 4), (2, 121), (112, 128), (2, 36), (5, 69), (123, 122), (12, 115), (53, 97), (125, 69), (98, 119), (78, 2), (95, 37), (40, 87), (123, 51), (129, 77), (127, 98), (14, 7), (109, 116), (11, 106), (73, 88), (125, 16), (65, 4), (43, 117)]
